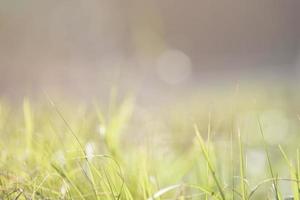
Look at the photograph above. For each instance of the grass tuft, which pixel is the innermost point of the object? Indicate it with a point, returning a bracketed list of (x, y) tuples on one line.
[(118, 152)]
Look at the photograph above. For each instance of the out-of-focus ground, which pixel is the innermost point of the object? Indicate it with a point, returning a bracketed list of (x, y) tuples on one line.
[(158, 50)]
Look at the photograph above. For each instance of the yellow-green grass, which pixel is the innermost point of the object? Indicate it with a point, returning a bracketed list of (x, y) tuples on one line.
[(217, 147)]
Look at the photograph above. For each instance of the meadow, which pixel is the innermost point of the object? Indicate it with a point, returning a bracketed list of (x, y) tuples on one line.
[(236, 145)]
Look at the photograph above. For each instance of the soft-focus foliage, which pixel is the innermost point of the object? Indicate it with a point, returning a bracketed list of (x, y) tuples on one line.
[(217, 147)]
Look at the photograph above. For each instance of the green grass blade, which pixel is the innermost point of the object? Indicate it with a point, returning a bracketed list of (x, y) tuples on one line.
[(242, 167), (28, 118), (210, 166), (66, 177), (293, 172), (275, 185)]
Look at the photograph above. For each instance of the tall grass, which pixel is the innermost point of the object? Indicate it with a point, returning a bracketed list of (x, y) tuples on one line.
[(72, 151)]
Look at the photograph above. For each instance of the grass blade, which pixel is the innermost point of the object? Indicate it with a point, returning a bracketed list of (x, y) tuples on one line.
[(162, 191), (293, 172), (210, 166), (277, 195), (242, 167)]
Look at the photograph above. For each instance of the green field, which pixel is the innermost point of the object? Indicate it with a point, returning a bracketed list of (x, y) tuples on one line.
[(240, 145)]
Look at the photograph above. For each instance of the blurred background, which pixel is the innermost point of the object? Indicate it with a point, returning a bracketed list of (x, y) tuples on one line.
[(156, 49), (219, 64)]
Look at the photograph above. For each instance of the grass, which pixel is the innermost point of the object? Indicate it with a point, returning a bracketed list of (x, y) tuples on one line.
[(117, 151)]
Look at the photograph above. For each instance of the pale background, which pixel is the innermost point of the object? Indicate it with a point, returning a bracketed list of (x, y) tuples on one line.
[(154, 48)]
